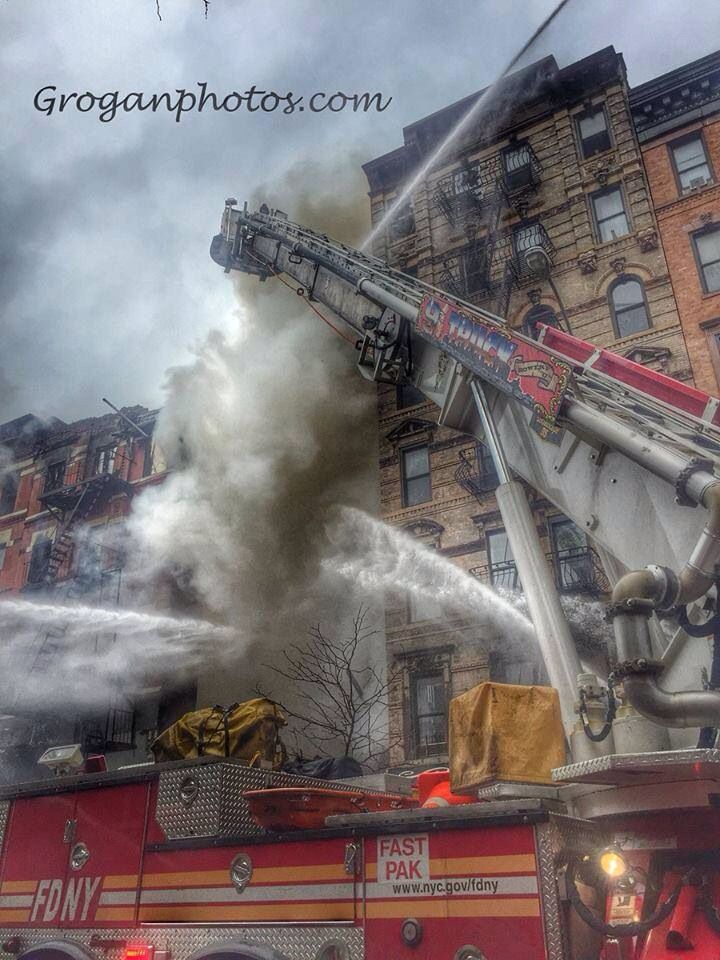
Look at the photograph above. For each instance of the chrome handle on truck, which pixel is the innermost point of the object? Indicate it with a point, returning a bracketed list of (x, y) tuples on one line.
[(69, 831)]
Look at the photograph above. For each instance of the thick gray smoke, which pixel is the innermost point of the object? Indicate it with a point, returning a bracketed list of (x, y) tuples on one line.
[(268, 430)]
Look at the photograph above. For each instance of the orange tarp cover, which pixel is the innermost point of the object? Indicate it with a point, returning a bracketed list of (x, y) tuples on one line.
[(504, 731)]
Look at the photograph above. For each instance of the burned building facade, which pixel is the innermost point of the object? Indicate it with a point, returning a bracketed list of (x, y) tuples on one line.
[(539, 212), (64, 489)]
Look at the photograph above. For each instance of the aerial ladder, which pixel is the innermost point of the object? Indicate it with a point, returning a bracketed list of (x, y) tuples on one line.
[(627, 453)]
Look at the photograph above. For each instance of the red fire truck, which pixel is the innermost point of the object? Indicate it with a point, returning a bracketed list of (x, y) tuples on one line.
[(618, 858)]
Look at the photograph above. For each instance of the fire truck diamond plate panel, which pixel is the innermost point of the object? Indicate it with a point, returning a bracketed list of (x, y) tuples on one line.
[(295, 943), (205, 800)]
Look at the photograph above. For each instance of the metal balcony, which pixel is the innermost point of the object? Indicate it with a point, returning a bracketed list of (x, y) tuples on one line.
[(476, 474), (532, 252), (578, 570), (472, 191), (67, 496)]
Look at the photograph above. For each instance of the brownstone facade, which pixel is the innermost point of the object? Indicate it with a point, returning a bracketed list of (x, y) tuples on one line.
[(677, 117), (541, 212)]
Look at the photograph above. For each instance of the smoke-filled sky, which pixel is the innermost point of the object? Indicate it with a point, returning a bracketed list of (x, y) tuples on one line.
[(105, 277)]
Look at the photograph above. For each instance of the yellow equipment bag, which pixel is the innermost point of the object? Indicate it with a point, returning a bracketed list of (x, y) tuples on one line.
[(249, 731), (503, 731)]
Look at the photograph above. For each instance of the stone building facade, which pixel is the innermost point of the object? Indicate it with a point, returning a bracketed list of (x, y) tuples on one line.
[(677, 119), (540, 212)]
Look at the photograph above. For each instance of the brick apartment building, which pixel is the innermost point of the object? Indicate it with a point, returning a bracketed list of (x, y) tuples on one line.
[(677, 118), (540, 212), (62, 488)]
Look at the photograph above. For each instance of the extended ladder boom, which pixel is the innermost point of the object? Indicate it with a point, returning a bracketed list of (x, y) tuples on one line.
[(621, 450)]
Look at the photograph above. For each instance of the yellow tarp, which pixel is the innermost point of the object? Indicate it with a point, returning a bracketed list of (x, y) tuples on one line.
[(503, 731), (248, 731)]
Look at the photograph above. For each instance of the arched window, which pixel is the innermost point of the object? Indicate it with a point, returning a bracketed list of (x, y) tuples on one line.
[(628, 306), (540, 313)]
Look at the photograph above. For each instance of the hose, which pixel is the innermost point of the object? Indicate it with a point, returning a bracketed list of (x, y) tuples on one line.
[(708, 735), (609, 717), (620, 930)]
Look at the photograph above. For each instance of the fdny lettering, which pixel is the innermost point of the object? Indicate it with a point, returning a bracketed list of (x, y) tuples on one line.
[(70, 901), (403, 858)]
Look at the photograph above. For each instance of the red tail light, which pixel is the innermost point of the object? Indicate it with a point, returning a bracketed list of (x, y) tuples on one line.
[(138, 951)]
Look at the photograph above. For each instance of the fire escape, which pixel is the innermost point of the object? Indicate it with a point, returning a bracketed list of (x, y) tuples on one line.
[(493, 261), (71, 504)]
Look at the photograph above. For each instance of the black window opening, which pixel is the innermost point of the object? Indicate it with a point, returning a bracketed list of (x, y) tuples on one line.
[(593, 132), (3, 549), (430, 720), (8, 491), (408, 395), (403, 223), (628, 306), (474, 269), (40, 560), (573, 559), (611, 219), (540, 313), (707, 248), (503, 571), (691, 163), (55, 475), (416, 476), (104, 459)]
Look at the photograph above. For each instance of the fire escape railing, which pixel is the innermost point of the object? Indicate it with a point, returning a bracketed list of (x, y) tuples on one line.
[(474, 476), (577, 570)]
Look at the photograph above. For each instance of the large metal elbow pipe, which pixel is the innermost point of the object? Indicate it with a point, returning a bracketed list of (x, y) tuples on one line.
[(688, 708), (635, 597)]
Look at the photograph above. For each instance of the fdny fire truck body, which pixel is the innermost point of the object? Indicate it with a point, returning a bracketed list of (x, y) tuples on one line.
[(164, 861)]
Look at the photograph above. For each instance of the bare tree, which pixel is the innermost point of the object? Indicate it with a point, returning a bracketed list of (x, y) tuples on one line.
[(339, 698)]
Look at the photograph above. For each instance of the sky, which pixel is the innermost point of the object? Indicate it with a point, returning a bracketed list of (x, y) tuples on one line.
[(105, 278)]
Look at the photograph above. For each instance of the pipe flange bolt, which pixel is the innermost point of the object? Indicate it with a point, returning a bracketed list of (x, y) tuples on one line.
[(693, 466), (632, 605), (637, 668)]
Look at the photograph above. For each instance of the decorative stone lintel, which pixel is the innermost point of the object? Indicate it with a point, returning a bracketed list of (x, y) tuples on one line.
[(588, 261), (648, 239)]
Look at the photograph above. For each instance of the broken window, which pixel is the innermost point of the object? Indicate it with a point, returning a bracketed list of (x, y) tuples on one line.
[(429, 709), (39, 560), (104, 459), (403, 223), (54, 475), (8, 492)]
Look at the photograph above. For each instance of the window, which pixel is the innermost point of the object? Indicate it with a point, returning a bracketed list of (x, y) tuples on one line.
[(429, 708), (503, 572), (518, 166), (423, 607), (707, 251), (408, 395), (691, 163), (39, 560), (611, 220), (403, 223), (415, 476), (593, 132), (628, 306), (8, 492), (573, 560), (540, 313), (712, 334), (104, 460), (54, 475)]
